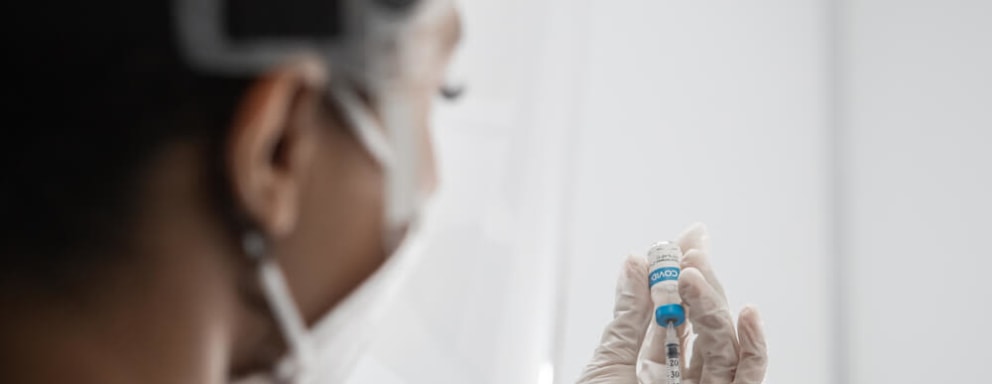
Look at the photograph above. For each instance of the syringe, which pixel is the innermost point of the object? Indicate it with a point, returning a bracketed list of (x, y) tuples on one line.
[(672, 353), (663, 262)]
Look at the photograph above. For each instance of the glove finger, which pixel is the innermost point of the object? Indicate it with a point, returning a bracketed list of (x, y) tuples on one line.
[(716, 342), (632, 311), (754, 352), (684, 336), (698, 259), (696, 236), (694, 366), (651, 369), (610, 374)]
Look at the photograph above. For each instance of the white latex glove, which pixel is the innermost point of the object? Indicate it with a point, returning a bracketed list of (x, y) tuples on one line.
[(719, 356)]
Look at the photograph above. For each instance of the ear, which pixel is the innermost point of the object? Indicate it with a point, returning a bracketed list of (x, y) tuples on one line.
[(270, 144)]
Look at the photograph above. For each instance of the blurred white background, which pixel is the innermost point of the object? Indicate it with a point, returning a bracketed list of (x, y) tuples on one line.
[(837, 150)]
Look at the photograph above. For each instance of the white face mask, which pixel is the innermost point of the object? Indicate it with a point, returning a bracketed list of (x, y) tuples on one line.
[(327, 352)]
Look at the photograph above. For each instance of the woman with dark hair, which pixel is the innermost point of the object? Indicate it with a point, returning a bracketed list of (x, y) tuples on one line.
[(203, 191)]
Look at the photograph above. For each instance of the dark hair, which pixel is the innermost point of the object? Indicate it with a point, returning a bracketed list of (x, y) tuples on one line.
[(100, 88)]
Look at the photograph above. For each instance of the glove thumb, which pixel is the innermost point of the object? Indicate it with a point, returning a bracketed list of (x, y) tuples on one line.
[(623, 336)]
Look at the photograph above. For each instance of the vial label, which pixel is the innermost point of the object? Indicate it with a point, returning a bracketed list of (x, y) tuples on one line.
[(663, 274)]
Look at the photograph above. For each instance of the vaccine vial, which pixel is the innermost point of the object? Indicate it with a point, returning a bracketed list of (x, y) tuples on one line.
[(663, 264)]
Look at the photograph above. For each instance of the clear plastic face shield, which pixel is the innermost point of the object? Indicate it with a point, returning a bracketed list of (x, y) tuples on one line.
[(373, 58)]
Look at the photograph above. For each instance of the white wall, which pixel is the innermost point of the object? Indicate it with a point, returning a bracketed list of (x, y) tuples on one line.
[(917, 105), (593, 128), (710, 111)]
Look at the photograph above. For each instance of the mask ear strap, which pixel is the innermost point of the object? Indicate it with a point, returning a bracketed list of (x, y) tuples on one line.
[(287, 315), (405, 193), (376, 137), (356, 115)]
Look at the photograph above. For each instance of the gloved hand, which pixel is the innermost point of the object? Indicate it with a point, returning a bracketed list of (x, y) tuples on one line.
[(720, 354)]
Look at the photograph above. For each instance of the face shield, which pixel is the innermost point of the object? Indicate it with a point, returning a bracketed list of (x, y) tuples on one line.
[(367, 45)]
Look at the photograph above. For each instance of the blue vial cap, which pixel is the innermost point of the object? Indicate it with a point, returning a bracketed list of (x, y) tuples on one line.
[(673, 313)]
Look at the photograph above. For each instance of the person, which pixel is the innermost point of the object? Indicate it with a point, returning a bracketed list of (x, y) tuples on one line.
[(210, 191)]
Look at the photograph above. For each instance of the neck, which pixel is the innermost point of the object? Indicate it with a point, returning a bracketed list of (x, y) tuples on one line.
[(124, 331), (167, 312)]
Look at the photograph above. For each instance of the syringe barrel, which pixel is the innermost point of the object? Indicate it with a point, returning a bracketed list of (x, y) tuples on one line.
[(663, 263)]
